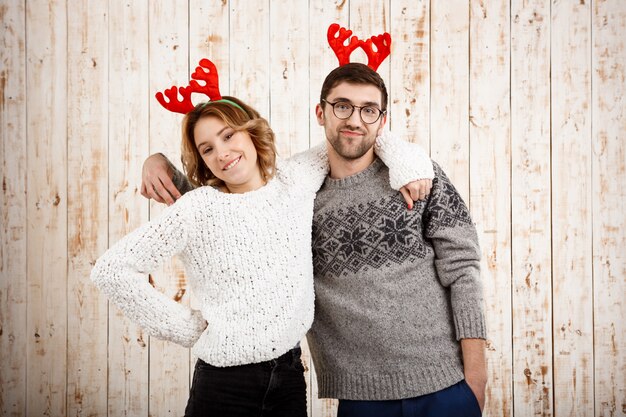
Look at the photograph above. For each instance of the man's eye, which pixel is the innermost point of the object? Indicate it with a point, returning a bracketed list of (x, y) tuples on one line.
[(342, 106), (370, 110)]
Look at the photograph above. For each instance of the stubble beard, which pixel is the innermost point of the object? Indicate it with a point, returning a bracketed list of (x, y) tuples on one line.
[(350, 148)]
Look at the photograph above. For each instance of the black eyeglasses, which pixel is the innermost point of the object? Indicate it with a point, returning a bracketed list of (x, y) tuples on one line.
[(343, 110)]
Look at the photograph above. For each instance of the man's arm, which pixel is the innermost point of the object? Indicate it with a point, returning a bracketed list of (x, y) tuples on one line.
[(161, 181), (449, 227), (475, 367)]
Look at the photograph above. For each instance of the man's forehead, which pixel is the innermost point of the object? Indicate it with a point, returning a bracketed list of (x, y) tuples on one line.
[(356, 93)]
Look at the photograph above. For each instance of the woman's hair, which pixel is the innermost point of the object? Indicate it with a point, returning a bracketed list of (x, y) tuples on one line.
[(240, 119)]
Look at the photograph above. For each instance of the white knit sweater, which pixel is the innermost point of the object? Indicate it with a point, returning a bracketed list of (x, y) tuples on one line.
[(247, 258)]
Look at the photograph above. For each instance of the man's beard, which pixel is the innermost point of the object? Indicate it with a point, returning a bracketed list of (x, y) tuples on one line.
[(350, 148)]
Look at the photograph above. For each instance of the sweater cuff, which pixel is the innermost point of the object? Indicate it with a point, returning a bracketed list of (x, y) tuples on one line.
[(190, 333), (470, 325)]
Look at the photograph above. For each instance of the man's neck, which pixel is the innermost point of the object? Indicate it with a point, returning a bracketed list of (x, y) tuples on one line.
[(341, 167)]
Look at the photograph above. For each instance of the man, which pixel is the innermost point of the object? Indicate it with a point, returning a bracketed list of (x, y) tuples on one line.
[(395, 290), (399, 325)]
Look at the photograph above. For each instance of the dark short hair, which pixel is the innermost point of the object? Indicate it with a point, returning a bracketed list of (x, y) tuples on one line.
[(354, 73)]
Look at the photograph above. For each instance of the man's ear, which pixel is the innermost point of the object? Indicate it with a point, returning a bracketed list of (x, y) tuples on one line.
[(383, 122), (319, 113)]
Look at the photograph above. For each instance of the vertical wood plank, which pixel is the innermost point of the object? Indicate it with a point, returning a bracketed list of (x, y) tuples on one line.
[(490, 185), (128, 147), (322, 59), (609, 200), (169, 65), (369, 19), (289, 76), (571, 208), (250, 57), (13, 250), (449, 99), (208, 38), (87, 206), (46, 131), (530, 189), (409, 80)]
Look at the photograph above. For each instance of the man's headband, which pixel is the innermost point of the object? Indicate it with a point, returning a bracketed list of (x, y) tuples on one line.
[(337, 36), (207, 72)]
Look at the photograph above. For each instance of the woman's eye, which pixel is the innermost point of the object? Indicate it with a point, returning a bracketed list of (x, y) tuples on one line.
[(230, 135), (206, 150)]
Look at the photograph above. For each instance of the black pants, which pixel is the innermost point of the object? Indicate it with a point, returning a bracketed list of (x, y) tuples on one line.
[(274, 388)]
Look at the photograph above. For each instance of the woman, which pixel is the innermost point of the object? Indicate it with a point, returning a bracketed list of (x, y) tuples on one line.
[(244, 237)]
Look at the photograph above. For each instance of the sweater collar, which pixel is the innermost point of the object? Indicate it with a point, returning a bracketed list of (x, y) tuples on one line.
[(352, 180)]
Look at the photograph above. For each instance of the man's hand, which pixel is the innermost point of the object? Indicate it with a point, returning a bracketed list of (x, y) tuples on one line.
[(416, 190), (475, 368), (156, 180)]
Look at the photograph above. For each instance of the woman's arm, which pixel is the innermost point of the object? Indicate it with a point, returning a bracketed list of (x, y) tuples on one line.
[(407, 161), (308, 169), (121, 274)]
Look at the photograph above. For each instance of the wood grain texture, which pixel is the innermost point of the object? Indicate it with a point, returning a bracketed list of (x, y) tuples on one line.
[(289, 77), (169, 65), (490, 186), (13, 206), (409, 80), (128, 147), (322, 59), (87, 206), (609, 200), (46, 134), (530, 200), (449, 98), (571, 211), (249, 61)]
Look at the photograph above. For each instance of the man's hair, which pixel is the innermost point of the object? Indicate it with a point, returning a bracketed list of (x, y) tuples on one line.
[(354, 73), (240, 119)]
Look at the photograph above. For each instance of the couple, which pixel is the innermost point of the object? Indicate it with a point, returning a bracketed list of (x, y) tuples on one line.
[(398, 323)]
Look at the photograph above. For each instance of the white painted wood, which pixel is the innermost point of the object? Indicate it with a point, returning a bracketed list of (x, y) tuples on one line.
[(609, 199), (13, 244), (46, 131), (322, 59), (250, 53), (128, 147), (87, 206), (169, 65), (490, 187), (571, 208), (530, 190), (449, 98), (409, 80), (289, 76)]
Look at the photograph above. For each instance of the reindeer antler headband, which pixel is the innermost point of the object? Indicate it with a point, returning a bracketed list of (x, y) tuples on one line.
[(206, 72), (337, 36)]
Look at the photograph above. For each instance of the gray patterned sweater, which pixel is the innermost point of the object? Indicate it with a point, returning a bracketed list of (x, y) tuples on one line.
[(395, 289)]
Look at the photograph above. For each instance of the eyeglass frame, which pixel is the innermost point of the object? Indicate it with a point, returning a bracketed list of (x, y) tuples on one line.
[(380, 112)]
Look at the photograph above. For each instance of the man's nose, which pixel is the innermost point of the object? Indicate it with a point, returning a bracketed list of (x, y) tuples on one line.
[(355, 118)]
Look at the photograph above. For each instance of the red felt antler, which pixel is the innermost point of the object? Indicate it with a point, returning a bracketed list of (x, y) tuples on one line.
[(383, 48), (337, 36), (210, 89), (336, 42), (212, 86)]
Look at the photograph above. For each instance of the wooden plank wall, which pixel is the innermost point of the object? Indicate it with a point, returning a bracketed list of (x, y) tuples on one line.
[(521, 102)]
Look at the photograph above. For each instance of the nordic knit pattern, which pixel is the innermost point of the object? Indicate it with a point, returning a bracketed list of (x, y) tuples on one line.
[(395, 289), (247, 259)]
